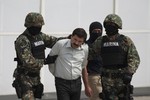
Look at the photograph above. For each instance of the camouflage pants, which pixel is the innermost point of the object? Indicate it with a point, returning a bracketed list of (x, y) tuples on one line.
[(30, 87), (113, 89)]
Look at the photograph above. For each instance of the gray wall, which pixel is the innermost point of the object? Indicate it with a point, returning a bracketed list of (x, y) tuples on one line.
[(61, 18)]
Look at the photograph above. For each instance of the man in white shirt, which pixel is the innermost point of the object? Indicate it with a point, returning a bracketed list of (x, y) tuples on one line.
[(70, 65)]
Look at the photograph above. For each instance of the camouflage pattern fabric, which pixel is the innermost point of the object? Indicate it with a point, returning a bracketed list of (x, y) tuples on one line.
[(34, 19), (29, 63), (128, 45), (113, 84), (113, 18)]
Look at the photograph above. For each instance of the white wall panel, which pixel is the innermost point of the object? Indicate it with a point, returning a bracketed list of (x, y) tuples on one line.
[(94, 10), (62, 16), (135, 14), (7, 65), (13, 12)]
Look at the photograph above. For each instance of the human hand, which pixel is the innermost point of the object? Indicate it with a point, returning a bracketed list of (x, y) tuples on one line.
[(127, 78), (88, 91)]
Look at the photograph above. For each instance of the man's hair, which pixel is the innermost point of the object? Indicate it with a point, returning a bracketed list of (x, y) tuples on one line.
[(80, 32)]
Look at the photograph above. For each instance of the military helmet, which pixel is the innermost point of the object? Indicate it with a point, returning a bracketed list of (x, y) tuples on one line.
[(34, 19), (113, 18)]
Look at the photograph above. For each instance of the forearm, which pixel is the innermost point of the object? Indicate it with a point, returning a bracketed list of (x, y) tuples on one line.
[(30, 62), (88, 90), (49, 40), (85, 78)]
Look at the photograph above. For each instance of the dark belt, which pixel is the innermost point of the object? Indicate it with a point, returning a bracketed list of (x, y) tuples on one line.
[(64, 80)]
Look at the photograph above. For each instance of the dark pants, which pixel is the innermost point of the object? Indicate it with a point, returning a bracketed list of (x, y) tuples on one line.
[(68, 89)]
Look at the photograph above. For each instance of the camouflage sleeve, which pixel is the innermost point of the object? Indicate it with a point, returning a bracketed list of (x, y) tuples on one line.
[(95, 48), (133, 58), (23, 49), (51, 40)]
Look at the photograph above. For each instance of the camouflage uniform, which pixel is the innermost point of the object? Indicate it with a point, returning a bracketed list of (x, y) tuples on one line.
[(113, 75), (27, 74)]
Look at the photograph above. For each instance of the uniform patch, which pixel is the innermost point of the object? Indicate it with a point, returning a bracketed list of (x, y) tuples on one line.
[(38, 43), (109, 44)]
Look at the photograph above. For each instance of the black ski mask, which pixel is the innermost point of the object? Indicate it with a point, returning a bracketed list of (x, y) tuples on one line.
[(33, 30), (94, 35), (111, 30), (95, 31)]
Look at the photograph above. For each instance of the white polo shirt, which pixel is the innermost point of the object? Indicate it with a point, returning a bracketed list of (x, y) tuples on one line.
[(70, 61)]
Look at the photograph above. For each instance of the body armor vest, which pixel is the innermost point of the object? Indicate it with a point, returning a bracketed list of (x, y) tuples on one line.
[(37, 46), (112, 53)]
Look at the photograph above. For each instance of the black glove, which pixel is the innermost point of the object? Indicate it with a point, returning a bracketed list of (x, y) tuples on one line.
[(127, 78), (50, 59)]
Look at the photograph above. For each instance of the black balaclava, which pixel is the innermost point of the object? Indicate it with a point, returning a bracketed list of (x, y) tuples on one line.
[(111, 29), (33, 30), (93, 34)]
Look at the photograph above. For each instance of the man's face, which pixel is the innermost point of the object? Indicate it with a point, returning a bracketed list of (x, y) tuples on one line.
[(97, 31), (76, 41)]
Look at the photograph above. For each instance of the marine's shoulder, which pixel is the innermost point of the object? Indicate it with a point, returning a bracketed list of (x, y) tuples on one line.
[(22, 37), (22, 40), (127, 39), (124, 36)]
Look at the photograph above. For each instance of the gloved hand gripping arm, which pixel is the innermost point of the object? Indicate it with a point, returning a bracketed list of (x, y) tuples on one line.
[(50, 59)]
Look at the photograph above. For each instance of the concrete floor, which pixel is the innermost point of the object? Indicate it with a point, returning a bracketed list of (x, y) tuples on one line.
[(15, 98), (138, 94), (142, 98)]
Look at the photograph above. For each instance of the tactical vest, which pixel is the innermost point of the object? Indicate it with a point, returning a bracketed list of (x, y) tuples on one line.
[(112, 53), (37, 46)]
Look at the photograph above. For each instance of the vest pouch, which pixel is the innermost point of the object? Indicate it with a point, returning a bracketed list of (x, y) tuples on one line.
[(114, 60)]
